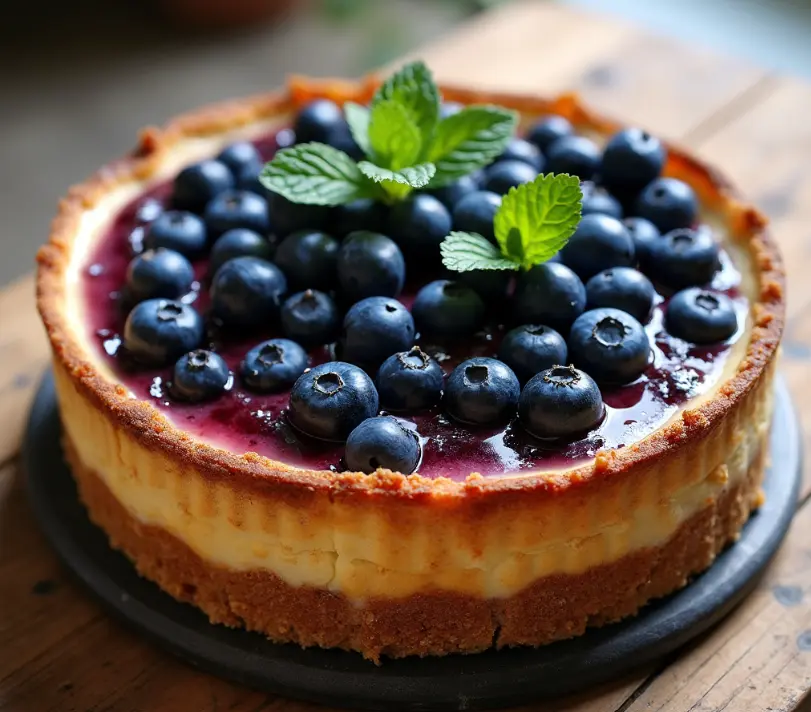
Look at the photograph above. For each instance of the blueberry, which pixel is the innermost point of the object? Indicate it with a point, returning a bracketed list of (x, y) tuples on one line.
[(449, 108), (148, 211), (418, 225), (632, 158), (309, 260), (644, 233), (668, 203), (242, 158), (447, 310), (273, 366), (159, 331), (374, 329), (409, 380), (530, 349), (342, 139), (576, 155), (475, 213), (370, 265), (560, 402), (248, 180), (684, 258), (331, 400), (159, 273), (449, 195), (198, 183), (502, 176), (311, 318), (490, 284), (622, 288), (549, 129), (288, 217), (599, 242), (236, 208), (598, 200), (551, 294), (610, 345), (180, 231), (247, 292), (382, 443), (200, 376), (239, 242), (318, 121), (518, 149), (701, 317), (361, 214), (481, 391)]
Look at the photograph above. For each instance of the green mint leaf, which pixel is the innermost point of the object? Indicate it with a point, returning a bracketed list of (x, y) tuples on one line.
[(537, 219), (316, 174), (398, 184), (469, 140), (394, 137), (466, 251), (358, 118)]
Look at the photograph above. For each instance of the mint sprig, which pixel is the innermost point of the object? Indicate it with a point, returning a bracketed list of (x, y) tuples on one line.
[(398, 184), (534, 222)]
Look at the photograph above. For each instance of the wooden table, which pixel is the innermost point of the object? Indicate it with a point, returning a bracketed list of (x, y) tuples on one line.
[(59, 651)]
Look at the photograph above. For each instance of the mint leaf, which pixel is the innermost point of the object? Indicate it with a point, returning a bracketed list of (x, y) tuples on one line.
[(469, 140), (537, 219), (394, 137), (358, 117), (398, 184), (316, 174), (466, 251)]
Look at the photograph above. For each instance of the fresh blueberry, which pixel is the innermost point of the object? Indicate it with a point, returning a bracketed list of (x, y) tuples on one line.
[(475, 213), (481, 391), (198, 183), (288, 217), (311, 318), (701, 317), (560, 402), (249, 180), (331, 400), (236, 208), (247, 292), (159, 331), (530, 349), (668, 203), (409, 380), (490, 284), (632, 158), (418, 225), (684, 258), (549, 293), (361, 214), (447, 310), (200, 376), (549, 129), (519, 149), (449, 108), (342, 139), (159, 273), (382, 443), (180, 231), (242, 158), (370, 265), (449, 195), (501, 176), (239, 242), (148, 211), (309, 260), (622, 288), (273, 366), (576, 155), (318, 121), (610, 345), (374, 329), (644, 233), (599, 242), (598, 200)]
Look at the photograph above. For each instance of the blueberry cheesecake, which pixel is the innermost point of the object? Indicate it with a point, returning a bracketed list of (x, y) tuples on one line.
[(412, 371)]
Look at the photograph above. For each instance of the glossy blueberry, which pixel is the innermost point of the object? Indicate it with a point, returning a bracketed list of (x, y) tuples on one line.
[(449, 195), (242, 158), (198, 183), (632, 158), (342, 139), (318, 121), (519, 149), (560, 402), (249, 180), (200, 376), (288, 217), (273, 366), (668, 203), (475, 213), (481, 391), (239, 242), (610, 345), (491, 285), (597, 200), (700, 316), (550, 294), (370, 265), (447, 310), (382, 443), (309, 260), (329, 401), (311, 318), (361, 214), (247, 292), (409, 380), (374, 329), (549, 129), (684, 258), (530, 349), (159, 273), (599, 242), (236, 208), (177, 230), (644, 233), (148, 211), (502, 176), (622, 288), (159, 331), (418, 225), (576, 155)]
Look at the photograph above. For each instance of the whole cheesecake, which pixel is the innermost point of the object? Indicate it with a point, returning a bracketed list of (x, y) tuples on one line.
[(221, 489)]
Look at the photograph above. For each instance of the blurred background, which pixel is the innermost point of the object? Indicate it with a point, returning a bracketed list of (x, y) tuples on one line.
[(78, 79)]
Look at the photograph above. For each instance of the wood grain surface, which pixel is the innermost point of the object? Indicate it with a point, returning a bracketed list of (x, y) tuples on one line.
[(60, 652)]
